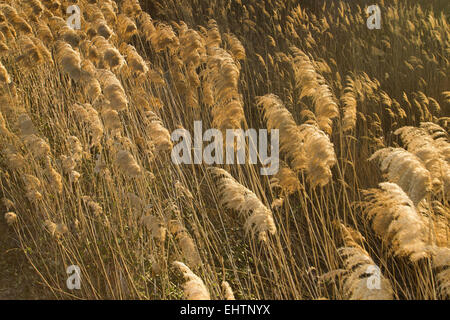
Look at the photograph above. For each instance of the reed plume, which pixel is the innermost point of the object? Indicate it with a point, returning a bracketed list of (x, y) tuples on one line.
[(320, 155), (291, 139), (223, 76), (109, 10), (146, 26), (430, 152), (406, 170), (307, 147), (441, 265), (36, 7), (11, 218), (362, 278), (4, 49), (69, 35), (32, 184), (214, 39), (4, 76), (286, 180), (112, 122), (126, 28), (13, 159), (156, 227), (158, 134), (112, 89), (192, 46), (313, 85), (57, 230), (349, 102), (69, 60), (163, 37), (102, 29), (194, 288), (228, 292), (186, 243), (32, 54), (15, 19), (135, 62), (56, 23), (127, 164), (44, 33), (8, 31), (91, 85), (93, 207), (131, 7), (38, 146), (395, 220), (90, 117), (236, 47), (440, 137), (53, 176), (235, 196), (438, 216), (4, 131)]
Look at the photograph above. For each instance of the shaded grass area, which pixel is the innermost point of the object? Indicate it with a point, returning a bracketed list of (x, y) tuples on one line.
[(18, 280)]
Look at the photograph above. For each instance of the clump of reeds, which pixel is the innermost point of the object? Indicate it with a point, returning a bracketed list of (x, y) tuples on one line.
[(307, 147)]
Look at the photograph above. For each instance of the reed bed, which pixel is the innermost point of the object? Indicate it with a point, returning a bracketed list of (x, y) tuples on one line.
[(86, 175)]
